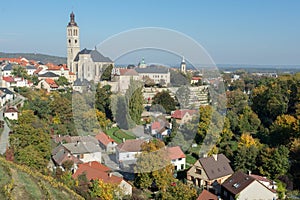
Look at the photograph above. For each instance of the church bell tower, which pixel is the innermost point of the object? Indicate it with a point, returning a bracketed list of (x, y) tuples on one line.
[(183, 66), (73, 43)]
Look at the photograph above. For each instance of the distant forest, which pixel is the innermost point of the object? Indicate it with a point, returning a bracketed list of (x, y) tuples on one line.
[(36, 56)]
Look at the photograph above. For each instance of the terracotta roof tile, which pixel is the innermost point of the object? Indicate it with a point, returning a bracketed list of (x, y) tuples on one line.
[(178, 114), (130, 146), (175, 153), (206, 195), (103, 138)]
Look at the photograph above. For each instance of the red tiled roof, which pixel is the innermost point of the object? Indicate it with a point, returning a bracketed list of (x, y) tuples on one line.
[(175, 153), (38, 70), (128, 72), (52, 66), (11, 109), (51, 82), (206, 195), (8, 79), (95, 170), (196, 78), (156, 125), (104, 139), (72, 73), (178, 114)]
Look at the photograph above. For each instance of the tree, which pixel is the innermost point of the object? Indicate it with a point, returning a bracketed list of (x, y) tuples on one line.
[(31, 144), (153, 166), (122, 115), (19, 71), (102, 100), (283, 129), (105, 191), (62, 81), (183, 96), (274, 162), (135, 99), (106, 75), (165, 100), (149, 82), (103, 121)]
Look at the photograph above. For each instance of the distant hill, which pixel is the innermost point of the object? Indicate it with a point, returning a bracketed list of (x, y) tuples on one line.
[(36, 56), (20, 182)]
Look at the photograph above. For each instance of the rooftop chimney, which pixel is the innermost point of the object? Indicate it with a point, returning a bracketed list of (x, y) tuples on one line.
[(215, 156)]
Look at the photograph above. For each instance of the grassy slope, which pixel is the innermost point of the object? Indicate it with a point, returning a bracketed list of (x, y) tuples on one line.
[(31, 185)]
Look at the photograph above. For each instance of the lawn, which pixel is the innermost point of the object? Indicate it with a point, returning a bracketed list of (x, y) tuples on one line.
[(118, 135), (190, 160)]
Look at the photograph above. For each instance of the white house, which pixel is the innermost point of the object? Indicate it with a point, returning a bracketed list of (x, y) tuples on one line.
[(30, 69), (126, 152), (242, 186), (7, 69), (122, 77), (177, 157), (11, 113)]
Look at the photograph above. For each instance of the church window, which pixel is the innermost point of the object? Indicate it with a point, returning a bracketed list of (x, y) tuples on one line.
[(75, 41)]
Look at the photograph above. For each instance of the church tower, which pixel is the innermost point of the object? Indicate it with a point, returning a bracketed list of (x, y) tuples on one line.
[(73, 43), (183, 66)]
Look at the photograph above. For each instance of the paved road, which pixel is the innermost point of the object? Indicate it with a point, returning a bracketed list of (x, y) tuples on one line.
[(4, 139), (4, 136)]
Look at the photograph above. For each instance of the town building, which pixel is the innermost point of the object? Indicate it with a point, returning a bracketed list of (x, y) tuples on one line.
[(243, 186), (11, 113), (106, 142), (210, 172), (177, 157), (86, 64)]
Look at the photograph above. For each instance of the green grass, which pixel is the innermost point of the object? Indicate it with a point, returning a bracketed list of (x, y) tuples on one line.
[(118, 135), (30, 186), (190, 159)]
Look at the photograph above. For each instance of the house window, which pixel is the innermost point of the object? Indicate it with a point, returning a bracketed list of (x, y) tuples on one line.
[(182, 166), (175, 167), (198, 171), (81, 156), (179, 158)]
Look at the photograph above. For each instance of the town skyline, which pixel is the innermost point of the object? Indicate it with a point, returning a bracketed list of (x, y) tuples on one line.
[(263, 33)]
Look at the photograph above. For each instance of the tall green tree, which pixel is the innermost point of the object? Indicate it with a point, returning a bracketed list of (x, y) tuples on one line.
[(164, 99), (102, 100), (183, 96), (106, 76), (135, 99)]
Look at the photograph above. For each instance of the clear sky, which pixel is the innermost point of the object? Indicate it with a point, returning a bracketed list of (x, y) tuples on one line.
[(241, 32)]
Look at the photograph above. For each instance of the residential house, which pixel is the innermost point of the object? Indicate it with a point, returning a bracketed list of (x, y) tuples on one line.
[(11, 113), (10, 81), (106, 142), (242, 186), (210, 172), (60, 155), (9, 95), (30, 69), (159, 128), (265, 181), (206, 195), (183, 116), (97, 171), (126, 152), (177, 157), (84, 151), (7, 69), (47, 84), (195, 80)]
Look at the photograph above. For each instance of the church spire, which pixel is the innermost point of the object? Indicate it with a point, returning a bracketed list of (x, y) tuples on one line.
[(72, 20)]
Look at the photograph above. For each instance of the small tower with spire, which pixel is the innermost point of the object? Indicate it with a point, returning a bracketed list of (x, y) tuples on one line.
[(183, 66), (73, 42)]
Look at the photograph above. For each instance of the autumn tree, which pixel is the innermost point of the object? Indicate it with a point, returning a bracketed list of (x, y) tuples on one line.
[(104, 191), (30, 142)]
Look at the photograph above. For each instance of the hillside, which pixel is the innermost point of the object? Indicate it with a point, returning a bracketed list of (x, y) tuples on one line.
[(36, 56), (20, 182)]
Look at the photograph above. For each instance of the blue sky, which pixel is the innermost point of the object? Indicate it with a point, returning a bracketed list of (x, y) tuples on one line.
[(242, 32)]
